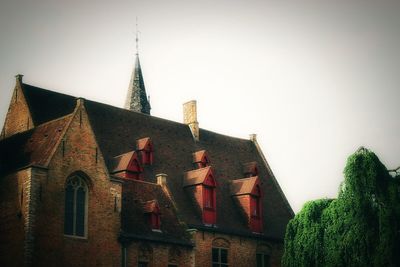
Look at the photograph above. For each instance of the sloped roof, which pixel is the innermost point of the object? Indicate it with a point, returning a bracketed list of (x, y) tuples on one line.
[(121, 162), (33, 147), (46, 105), (150, 206), (243, 186), (116, 131), (195, 177), (140, 197), (198, 155)]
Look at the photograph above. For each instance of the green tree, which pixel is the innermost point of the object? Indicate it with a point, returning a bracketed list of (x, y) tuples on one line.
[(359, 228)]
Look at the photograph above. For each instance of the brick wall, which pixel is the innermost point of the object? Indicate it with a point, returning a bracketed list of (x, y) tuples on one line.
[(18, 118), (77, 152), (156, 254), (241, 250), (13, 215)]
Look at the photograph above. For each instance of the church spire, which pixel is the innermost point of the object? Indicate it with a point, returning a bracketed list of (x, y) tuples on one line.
[(136, 98)]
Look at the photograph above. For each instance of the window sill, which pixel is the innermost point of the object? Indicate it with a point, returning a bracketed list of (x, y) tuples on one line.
[(156, 230), (82, 238)]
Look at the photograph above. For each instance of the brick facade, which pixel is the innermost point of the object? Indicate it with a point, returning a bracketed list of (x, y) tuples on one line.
[(85, 138)]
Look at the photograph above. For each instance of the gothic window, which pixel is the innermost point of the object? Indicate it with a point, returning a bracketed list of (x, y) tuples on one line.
[(76, 199)]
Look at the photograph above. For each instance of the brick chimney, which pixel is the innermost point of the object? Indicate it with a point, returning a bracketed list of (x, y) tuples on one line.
[(190, 118), (162, 179)]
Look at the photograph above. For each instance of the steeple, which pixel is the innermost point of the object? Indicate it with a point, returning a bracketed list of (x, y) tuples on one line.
[(136, 98)]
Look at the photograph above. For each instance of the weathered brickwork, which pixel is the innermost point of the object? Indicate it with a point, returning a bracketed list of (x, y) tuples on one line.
[(18, 118), (156, 254), (13, 215), (77, 153), (241, 250), (76, 137)]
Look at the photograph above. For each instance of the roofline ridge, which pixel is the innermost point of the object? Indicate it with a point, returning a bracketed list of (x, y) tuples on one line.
[(48, 90)]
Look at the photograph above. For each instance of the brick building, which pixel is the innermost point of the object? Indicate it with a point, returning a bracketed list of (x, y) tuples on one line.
[(87, 184)]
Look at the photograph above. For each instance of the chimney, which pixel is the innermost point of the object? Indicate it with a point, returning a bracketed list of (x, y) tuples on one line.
[(162, 179), (190, 118), (18, 77), (253, 137)]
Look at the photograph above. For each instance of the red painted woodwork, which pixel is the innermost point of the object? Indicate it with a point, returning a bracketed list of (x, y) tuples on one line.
[(145, 147), (155, 221), (209, 201), (255, 210)]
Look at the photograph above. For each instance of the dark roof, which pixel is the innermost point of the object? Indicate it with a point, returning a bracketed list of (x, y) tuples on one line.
[(138, 198), (33, 147), (46, 105), (117, 130)]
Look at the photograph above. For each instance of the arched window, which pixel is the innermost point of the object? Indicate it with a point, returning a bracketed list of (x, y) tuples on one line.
[(76, 199), (220, 248)]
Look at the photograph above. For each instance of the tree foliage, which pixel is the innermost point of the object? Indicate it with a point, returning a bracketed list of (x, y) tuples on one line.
[(359, 228)]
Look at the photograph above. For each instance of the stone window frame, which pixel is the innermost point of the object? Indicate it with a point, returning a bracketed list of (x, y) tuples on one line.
[(77, 180)]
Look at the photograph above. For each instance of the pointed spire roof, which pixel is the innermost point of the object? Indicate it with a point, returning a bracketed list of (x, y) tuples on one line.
[(136, 98)]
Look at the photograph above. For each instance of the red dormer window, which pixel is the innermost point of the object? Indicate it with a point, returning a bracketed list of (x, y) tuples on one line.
[(153, 213), (202, 185), (255, 210), (127, 165), (201, 159), (248, 195), (209, 198), (145, 148)]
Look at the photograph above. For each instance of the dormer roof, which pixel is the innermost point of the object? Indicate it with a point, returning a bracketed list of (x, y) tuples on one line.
[(200, 156), (151, 206), (125, 162), (142, 143), (244, 186), (196, 177)]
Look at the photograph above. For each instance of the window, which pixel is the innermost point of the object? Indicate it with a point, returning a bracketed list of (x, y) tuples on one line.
[(219, 257), (76, 199), (255, 210), (262, 260), (255, 206), (142, 264), (155, 221), (208, 197)]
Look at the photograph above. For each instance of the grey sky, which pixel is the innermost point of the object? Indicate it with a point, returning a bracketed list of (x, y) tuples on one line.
[(314, 79)]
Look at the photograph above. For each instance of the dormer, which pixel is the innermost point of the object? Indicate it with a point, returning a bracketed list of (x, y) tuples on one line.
[(127, 166), (202, 186), (152, 212), (144, 147), (250, 169), (201, 159), (247, 193)]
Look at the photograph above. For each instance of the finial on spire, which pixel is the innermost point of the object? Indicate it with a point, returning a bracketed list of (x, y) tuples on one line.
[(137, 37)]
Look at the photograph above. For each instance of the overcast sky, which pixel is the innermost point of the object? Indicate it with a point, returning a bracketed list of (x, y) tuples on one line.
[(314, 80)]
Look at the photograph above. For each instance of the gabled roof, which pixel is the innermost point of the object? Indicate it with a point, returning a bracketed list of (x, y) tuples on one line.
[(33, 147), (46, 105), (117, 129), (142, 143), (122, 162), (150, 206), (198, 156), (196, 177), (243, 186)]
